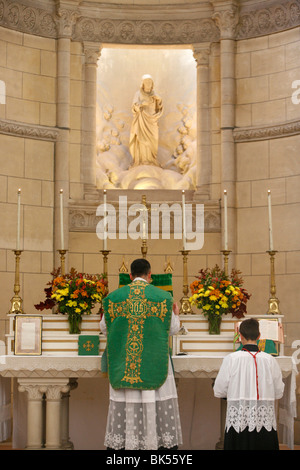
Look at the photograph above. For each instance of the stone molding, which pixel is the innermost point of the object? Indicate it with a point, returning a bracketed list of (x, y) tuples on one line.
[(30, 131), (275, 131), (182, 24)]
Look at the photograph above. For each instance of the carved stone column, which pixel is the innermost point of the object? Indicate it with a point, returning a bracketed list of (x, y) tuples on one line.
[(226, 17), (65, 438), (92, 53), (53, 412), (34, 413), (201, 55), (66, 17)]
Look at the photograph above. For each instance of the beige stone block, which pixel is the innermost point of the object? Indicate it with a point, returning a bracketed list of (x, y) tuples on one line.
[(47, 193), (76, 64), (270, 112), (252, 90), (75, 117), (8, 233), (292, 110), (284, 157), (39, 42), (76, 190), (288, 293), (243, 264), (38, 228), (22, 111), (76, 261), (11, 155), (30, 190), (261, 264), (258, 287), (48, 63), (268, 61), (293, 189), (30, 261), (3, 261), (84, 242), (260, 191), (39, 88), (252, 160), (75, 163), (34, 285), (48, 114), (6, 291), (13, 82), (243, 115), (284, 37), (252, 230), (10, 35), (286, 232), (39, 159), (254, 44), (243, 194), (291, 55), (3, 188), (75, 136), (293, 262), (25, 59), (76, 93), (281, 83), (243, 65), (46, 262), (2, 54)]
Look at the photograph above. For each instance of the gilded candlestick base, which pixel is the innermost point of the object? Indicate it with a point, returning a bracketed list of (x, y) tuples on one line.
[(144, 248), (273, 300), (16, 301), (226, 254), (105, 254), (62, 261), (185, 306)]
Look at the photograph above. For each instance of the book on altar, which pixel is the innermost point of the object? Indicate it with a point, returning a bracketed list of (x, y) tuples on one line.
[(269, 329)]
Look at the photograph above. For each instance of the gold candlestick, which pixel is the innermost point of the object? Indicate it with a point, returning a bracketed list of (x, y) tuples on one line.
[(185, 306), (273, 300), (144, 248), (226, 254), (105, 254), (16, 301), (62, 261)]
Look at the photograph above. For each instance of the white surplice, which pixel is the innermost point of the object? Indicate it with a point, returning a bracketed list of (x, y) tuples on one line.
[(144, 419), (247, 405)]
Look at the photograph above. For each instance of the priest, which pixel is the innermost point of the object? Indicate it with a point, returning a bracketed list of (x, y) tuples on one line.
[(143, 408)]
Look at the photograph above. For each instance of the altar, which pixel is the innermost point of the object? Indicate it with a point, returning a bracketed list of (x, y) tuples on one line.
[(43, 384)]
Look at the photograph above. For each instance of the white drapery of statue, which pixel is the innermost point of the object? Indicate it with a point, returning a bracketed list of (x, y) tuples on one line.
[(147, 108)]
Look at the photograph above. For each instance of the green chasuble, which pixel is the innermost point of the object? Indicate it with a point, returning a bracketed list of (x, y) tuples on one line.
[(138, 318)]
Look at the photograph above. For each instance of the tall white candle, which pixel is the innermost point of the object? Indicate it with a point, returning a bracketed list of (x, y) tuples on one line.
[(183, 220), (270, 222), (18, 219), (105, 220), (62, 243), (225, 222)]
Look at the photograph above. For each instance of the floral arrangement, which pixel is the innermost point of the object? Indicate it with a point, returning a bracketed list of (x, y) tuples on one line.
[(217, 294), (74, 294)]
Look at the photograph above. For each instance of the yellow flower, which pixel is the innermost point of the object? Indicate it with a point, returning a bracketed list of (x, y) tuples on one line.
[(77, 310), (71, 303), (213, 297), (206, 307)]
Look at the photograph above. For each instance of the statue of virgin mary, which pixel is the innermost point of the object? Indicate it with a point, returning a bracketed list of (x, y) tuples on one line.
[(147, 108)]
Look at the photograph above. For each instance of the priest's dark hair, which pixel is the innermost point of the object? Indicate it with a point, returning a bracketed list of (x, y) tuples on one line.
[(250, 329), (140, 267)]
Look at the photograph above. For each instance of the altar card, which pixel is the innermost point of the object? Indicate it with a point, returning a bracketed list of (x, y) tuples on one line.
[(28, 335), (269, 329)]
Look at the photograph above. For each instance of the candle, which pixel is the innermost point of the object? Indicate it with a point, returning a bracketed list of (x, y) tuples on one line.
[(105, 229), (225, 222), (19, 219), (183, 220), (270, 222), (61, 219)]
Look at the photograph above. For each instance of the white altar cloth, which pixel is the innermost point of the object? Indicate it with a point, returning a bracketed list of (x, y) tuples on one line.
[(45, 368)]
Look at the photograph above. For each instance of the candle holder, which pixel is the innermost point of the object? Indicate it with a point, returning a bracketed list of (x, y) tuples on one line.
[(226, 254), (62, 261), (144, 248), (185, 306), (273, 300), (16, 301), (105, 254)]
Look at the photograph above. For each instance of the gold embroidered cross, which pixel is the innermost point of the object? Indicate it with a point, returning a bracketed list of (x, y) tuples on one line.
[(136, 309)]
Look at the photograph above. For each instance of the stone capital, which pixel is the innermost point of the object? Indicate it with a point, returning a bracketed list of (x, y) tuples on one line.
[(92, 52), (201, 53), (226, 17), (66, 17)]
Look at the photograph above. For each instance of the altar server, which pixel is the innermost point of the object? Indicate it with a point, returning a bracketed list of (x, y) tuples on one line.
[(251, 381), (143, 408)]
